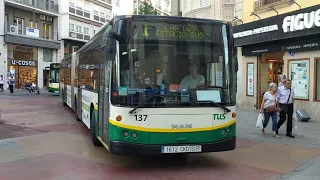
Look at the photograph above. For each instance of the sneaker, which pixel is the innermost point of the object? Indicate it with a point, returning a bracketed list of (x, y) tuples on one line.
[(262, 132), (275, 135)]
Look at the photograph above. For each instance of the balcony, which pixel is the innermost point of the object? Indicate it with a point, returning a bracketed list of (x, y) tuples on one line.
[(104, 3), (90, 17), (264, 5), (39, 6), (19, 34)]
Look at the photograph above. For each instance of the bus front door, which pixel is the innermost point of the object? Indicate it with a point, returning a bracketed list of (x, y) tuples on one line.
[(104, 101)]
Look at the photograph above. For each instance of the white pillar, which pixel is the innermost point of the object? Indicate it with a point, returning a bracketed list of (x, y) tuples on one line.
[(40, 68)]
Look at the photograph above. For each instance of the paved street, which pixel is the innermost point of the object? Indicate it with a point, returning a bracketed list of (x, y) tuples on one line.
[(40, 139)]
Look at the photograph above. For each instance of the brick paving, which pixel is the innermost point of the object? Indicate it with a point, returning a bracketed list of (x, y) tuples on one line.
[(40, 139)]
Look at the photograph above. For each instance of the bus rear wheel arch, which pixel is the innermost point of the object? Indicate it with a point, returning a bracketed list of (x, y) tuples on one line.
[(93, 127)]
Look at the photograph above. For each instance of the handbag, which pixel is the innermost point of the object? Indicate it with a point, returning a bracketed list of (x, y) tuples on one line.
[(271, 109), (284, 107)]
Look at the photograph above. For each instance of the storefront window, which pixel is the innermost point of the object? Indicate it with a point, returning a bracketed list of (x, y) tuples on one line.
[(22, 64), (318, 79), (299, 75)]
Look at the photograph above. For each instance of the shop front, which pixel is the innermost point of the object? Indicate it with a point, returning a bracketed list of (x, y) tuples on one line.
[(287, 44), (22, 64)]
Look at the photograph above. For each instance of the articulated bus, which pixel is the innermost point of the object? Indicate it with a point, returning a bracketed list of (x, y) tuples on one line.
[(54, 77), (147, 85)]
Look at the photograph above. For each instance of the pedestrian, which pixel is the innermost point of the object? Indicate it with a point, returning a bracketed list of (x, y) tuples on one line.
[(283, 78), (285, 95), (11, 83), (1, 83), (269, 108), (28, 87)]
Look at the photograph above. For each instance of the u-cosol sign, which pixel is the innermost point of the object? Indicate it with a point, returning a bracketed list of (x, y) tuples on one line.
[(23, 63)]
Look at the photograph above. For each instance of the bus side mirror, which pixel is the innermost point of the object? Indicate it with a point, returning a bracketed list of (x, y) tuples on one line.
[(111, 48)]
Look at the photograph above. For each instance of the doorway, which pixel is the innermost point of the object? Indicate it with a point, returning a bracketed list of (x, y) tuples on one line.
[(45, 78), (270, 70)]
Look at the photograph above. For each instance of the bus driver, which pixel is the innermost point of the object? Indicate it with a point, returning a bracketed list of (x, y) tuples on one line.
[(193, 79)]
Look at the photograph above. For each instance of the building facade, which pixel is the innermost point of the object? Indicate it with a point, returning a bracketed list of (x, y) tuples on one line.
[(128, 7), (80, 20), (209, 9), (279, 37), (29, 40), (163, 7)]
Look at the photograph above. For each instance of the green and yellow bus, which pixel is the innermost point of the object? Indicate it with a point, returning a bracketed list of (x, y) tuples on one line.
[(54, 77), (154, 85)]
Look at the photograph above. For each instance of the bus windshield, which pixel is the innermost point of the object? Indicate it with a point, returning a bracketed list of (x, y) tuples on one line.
[(180, 63), (54, 75)]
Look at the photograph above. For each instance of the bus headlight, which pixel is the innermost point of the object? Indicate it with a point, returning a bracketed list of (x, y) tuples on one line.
[(134, 135), (229, 129), (223, 132), (125, 133)]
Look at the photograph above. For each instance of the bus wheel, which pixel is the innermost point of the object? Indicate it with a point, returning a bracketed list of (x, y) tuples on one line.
[(93, 128)]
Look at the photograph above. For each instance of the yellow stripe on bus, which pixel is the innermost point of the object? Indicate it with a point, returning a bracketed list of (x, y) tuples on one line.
[(137, 128)]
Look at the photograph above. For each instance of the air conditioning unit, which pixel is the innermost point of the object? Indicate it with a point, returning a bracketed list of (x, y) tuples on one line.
[(42, 17), (13, 29)]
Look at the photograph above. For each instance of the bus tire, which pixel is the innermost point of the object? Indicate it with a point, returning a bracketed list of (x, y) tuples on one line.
[(93, 127)]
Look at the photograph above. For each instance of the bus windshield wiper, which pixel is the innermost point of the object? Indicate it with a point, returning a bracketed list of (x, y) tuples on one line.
[(226, 110), (142, 102)]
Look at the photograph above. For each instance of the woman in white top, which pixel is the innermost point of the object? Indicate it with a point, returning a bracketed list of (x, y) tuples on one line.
[(269, 108)]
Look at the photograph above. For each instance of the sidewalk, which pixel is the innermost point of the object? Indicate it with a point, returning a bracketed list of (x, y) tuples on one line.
[(23, 92), (307, 135)]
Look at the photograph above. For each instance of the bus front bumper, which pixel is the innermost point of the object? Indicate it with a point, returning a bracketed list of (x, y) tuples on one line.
[(125, 148)]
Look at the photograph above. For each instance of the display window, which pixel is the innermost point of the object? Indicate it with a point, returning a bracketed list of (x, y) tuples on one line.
[(22, 64)]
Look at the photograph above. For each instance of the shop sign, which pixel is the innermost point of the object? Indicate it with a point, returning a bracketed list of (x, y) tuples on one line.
[(303, 45), (256, 31), (261, 49), (23, 63), (296, 24), (301, 21)]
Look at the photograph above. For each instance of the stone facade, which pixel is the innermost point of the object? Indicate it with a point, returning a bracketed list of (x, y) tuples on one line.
[(250, 102)]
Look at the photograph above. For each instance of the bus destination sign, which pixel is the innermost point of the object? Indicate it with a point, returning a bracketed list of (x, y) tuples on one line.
[(175, 32)]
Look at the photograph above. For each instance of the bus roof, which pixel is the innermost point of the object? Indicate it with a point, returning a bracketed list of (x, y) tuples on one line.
[(152, 17), (146, 17)]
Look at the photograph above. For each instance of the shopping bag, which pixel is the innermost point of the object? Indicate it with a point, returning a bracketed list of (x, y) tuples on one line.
[(259, 123), (294, 121)]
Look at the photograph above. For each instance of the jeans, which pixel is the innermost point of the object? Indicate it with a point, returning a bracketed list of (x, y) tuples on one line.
[(274, 117)]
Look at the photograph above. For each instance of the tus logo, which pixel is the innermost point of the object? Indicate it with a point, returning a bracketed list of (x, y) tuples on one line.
[(219, 117)]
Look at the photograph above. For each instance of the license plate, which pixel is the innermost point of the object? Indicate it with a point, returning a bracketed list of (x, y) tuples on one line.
[(180, 149)]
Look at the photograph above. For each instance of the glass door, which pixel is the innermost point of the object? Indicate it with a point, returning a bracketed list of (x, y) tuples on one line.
[(105, 74), (46, 31), (19, 22)]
